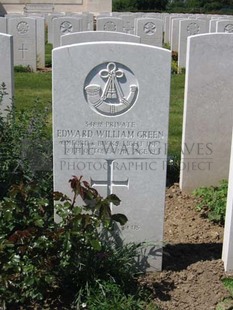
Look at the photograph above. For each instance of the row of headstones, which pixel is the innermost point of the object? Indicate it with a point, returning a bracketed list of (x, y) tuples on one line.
[(150, 30), (179, 27), (29, 40), (29, 32), (29, 36), (110, 118), (208, 120), (121, 108)]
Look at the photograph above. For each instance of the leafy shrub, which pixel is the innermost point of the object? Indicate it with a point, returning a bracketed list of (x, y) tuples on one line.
[(26, 146), (213, 201), (64, 262), (54, 265), (228, 283)]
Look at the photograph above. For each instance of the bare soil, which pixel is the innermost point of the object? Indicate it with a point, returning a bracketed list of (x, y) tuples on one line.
[(192, 265)]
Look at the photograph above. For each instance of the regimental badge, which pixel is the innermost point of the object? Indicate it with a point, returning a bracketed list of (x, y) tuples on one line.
[(111, 89)]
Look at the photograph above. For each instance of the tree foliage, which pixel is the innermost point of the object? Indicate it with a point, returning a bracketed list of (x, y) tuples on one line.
[(173, 5), (139, 5), (200, 5)]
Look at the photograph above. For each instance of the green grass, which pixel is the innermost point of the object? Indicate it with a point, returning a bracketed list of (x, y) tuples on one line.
[(176, 114), (48, 52), (30, 86)]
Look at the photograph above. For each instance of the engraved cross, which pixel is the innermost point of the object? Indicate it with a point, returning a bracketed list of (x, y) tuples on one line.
[(23, 49), (110, 183)]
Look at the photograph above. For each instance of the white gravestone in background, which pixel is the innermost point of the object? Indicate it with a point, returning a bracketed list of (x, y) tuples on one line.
[(6, 70), (91, 36), (65, 25), (128, 23), (110, 125), (40, 41), (3, 25), (150, 30), (24, 33), (49, 21), (208, 111), (175, 33), (212, 25), (224, 26), (227, 252), (109, 24), (188, 27), (88, 21)]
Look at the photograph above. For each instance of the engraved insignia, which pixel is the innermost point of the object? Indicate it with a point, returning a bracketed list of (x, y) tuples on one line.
[(149, 28), (112, 90), (110, 26), (228, 28), (22, 27), (66, 27), (193, 29)]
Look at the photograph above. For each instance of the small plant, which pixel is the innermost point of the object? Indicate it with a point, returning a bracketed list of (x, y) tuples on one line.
[(167, 46), (21, 68), (67, 262), (228, 283), (227, 303), (174, 67), (213, 201), (110, 296)]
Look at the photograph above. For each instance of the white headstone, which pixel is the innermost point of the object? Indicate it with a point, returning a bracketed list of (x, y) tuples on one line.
[(109, 24), (171, 31), (88, 21), (175, 34), (150, 30), (212, 25), (40, 41), (49, 21), (23, 30), (128, 24), (65, 25), (227, 251), (3, 25), (6, 70), (166, 29), (224, 26), (110, 125), (188, 27), (91, 36), (208, 111)]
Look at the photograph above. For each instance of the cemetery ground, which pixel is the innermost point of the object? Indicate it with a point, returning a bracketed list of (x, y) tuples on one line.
[(192, 268)]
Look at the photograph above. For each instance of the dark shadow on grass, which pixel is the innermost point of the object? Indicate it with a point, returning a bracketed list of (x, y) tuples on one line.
[(179, 256)]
